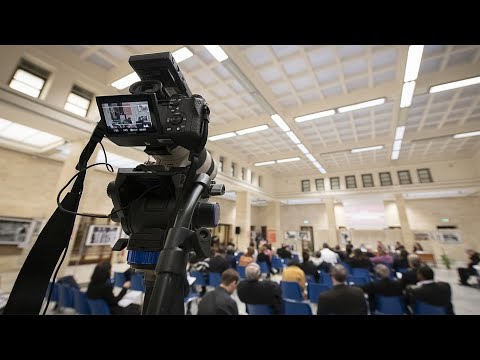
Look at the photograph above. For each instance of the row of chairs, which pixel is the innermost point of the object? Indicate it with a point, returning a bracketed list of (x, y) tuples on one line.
[(136, 281)]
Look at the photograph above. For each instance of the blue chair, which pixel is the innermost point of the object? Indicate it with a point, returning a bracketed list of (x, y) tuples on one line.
[(310, 279), (361, 272), (55, 295), (259, 309), (389, 305), (421, 308), (65, 296), (295, 256), (214, 279), (98, 307), (357, 280), (402, 270), (314, 291), (346, 266), (80, 302), (291, 290), (137, 282), (199, 278), (264, 267), (118, 279), (241, 271), (325, 279), (277, 263), (296, 308)]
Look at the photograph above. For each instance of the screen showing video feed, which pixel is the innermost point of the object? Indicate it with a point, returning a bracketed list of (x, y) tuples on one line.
[(128, 117)]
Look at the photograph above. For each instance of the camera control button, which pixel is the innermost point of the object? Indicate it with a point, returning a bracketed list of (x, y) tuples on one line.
[(176, 119), (174, 102)]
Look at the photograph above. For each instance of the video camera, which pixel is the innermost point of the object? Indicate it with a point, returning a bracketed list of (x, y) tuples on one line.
[(162, 206)]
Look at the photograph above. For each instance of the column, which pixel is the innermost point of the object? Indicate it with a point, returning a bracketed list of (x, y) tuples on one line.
[(243, 219), (332, 223), (402, 216), (273, 220)]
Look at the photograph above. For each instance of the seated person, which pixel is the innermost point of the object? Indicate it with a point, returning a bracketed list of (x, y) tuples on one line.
[(100, 287), (253, 291), (465, 273), (217, 262), (429, 291), (341, 299), (410, 277), (382, 258), (263, 257), (328, 255), (218, 301), (230, 257), (401, 261), (417, 247), (309, 267), (294, 273), (247, 258), (383, 286), (359, 260)]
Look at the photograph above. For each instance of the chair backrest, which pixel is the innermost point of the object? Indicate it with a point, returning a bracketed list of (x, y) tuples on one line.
[(259, 309), (346, 266), (421, 308), (310, 278), (118, 279), (199, 278), (277, 263), (65, 296), (291, 290), (361, 272), (241, 271), (214, 279), (357, 280), (314, 291), (389, 305), (295, 256), (263, 267), (137, 282), (402, 270), (80, 302), (98, 307), (325, 279), (291, 307)]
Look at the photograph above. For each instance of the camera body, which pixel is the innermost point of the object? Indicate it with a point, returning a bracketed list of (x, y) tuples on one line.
[(160, 110)]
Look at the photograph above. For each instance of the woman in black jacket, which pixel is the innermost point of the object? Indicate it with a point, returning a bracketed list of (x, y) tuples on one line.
[(100, 287)]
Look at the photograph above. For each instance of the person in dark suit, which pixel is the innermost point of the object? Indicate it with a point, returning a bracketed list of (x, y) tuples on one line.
[(383, 286), (429, 291), (218, 263), (410, 277), (465, 273), (309, 267), (342, 299), (401, 261), (252, 291), (100, 287), (218, 301), (359, 260)]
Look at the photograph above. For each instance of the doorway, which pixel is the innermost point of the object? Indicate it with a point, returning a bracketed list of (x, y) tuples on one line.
[(308, 244), (223, 233)]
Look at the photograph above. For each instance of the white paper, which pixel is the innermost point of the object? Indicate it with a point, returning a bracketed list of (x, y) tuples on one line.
[(191, 279), (131, 297)]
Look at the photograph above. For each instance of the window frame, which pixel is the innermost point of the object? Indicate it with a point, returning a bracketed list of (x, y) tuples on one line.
[(364, 176), (428, 173), (322, 181), (389, 177), (400, 179), (337, 178), (304, 187), (349, 177)]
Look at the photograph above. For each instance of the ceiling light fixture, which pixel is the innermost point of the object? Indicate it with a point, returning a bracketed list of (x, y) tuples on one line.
[(407, 94), (399, 132), (303, 149), (182, 54), (288, 160), (252, 130), (265, 163), (293, 137), (455, 84), (467, 134), (370, 148), (395, 154), (217, 52), (279, 121), (126, 81), (314, 116), (413, 62), (222, 136), (361, 105)]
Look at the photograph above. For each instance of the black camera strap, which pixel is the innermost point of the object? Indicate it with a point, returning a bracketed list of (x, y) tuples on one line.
[(32, 282)]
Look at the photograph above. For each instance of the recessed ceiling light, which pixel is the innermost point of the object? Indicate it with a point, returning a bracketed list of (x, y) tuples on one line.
[(265, 163), (288, 160), (397, 145), (413, 62), (399, 132), (252, 130), (361, 105), (222, 136), (395, 154), (303, 148), (293, 137), (407, 94), (455, 84), (314, 116), (217, 52), (370, 148), (467, 134), (279, 121)]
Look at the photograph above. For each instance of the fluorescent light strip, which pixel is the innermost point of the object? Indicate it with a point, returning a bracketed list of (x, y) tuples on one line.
[(279, 121), (397, 145), (217, 52), (265, 163), (182, 54), (407, 94), (311, 158), (361, 105), (467, 134), (413, 62), (126, 81), (455, 84), (399, 132), (222, 136), (314, 116), (288, 160), (370, 148), (293, 137), (395, 154), (252, 130), (303, 149)]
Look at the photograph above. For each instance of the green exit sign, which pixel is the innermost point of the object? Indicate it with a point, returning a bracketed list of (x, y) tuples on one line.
[(445, 220)]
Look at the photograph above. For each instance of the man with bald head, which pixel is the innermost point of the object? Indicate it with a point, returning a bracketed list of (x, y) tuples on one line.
[(266, 292)]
